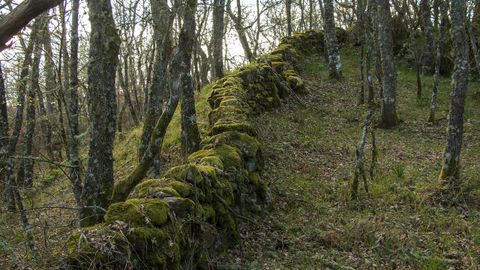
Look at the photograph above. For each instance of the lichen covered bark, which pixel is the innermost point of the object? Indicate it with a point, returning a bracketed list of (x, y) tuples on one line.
[(389, 98), (334, 64), (450, 173), (103, 60)]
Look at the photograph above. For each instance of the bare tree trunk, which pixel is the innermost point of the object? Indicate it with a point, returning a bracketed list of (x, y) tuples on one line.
[(389, 105), (288, 7), (334, 63), (426, 25), (159, 84), (190, 134), (217, 38), (443, 5), (73, 108), (370, 44), (125, 83), (104, 49), (237, 23), (363, 40), (3, 131), (450, 173), (50, 88), (12, 143), (180, 78), (25, 170)]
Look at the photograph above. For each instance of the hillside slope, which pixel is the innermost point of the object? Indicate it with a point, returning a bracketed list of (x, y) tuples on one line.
[(309, 152)]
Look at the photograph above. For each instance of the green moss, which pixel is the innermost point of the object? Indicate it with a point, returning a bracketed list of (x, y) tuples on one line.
[(250, 148), (139, 212), (221, 127), (155, 248), (152, 187), (206, 157), (206, 212), (229, 156), (227, 113), (180, 207)]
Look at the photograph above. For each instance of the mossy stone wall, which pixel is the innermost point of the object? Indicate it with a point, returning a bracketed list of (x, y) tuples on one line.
[(194, 209)]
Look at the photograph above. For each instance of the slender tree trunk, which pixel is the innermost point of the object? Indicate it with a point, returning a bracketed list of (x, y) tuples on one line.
[(126, 83), (159, 84), (426, 24), (389, 106), (418, 73), (334, 63), (190, 134), (363, 40), (3, 131), (240, 30), (104, 49), (50, 77), (450, 173), (180, 70), (217, 38), (12, 143), (288, 7), (443, 6), (25, 170), (311, 11), (369, 42), (73, 108)]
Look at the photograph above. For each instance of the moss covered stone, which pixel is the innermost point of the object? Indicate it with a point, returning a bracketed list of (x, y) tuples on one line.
[(159, 188), (144, 232), (139, 212), (228, 155), (250, 148)]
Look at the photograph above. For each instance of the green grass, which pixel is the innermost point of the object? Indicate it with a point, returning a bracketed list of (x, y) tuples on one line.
[(310, 156)]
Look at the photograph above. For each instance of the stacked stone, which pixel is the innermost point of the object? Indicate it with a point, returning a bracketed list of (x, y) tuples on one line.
[(176, 221)]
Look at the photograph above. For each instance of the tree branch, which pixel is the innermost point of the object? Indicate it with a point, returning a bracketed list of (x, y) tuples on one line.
[(20, 16)]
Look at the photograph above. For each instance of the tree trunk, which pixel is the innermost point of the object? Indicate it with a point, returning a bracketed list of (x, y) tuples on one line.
[(363, 39), (104, 49), (240, 30), (217, 38), (13, 140), (288, 7), (443, 6), (3, 130), (426, 24), (332, 42), (389, 106), (159, 84), (73, 108), (190, 134), (25, 170), (450, 173), (180, 78)]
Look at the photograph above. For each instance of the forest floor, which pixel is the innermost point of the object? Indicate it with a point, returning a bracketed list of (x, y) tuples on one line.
[(310, 160), (309, 156)]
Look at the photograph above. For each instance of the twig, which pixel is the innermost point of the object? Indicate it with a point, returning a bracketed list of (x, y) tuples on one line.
[(374, 154), (359, 168)]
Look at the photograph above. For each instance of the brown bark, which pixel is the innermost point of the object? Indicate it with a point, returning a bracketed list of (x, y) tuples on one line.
[(13, 22)]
